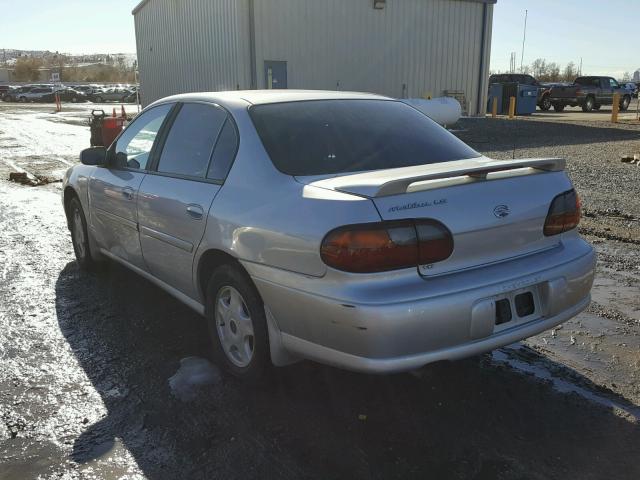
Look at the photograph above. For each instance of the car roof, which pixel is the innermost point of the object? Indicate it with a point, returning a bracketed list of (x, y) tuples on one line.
[(260, 97)]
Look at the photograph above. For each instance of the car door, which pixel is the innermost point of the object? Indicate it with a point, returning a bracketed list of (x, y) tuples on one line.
[(175, 198), (113, 189), (614, 87), (603, 93)]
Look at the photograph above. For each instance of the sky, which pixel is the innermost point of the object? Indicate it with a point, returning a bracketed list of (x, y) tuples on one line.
[(602, 32), (68, 26)]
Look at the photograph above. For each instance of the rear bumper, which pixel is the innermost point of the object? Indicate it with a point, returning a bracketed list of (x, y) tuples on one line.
[(348, 361), (572, 102), (400, 321)]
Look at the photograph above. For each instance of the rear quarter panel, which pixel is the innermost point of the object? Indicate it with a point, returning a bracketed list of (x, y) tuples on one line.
[(263, 216)]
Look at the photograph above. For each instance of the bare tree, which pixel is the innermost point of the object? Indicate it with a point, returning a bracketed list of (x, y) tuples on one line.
[(570, 72), (539, 68)]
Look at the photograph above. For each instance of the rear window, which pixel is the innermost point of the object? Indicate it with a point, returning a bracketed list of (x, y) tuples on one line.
[(322, 137), (588, 81)]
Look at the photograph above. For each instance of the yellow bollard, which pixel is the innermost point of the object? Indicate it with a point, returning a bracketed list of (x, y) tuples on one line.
[(512, 107), (615, 108), (494, 107)]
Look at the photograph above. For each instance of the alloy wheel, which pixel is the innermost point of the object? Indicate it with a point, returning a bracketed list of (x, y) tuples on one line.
[(234, 326)]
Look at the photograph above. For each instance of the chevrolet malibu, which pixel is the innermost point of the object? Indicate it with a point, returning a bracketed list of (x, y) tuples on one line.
[(345, 228)]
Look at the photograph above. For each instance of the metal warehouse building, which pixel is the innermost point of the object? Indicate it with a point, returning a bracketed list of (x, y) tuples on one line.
[(400, 48)]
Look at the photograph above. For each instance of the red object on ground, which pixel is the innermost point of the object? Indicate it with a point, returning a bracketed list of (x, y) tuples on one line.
[(111, 128)]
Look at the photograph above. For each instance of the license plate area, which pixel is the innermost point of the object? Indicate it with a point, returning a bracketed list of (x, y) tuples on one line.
[(517, 306)]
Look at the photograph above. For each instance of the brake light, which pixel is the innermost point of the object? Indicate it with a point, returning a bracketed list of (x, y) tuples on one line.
[(384, 246), (564, 213)]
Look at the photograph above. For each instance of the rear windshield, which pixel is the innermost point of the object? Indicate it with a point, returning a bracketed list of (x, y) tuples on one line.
[(588, 81), (321, 137)]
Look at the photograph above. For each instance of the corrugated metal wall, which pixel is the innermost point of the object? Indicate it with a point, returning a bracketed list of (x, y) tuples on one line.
[(192, 45), (410, 48), (427, 45)]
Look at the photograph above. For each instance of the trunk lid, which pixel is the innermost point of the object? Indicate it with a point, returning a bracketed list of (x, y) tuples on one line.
[(495, 210)]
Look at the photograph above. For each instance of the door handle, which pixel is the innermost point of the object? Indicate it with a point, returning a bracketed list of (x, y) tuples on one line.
[(195, 211), (127, 193)]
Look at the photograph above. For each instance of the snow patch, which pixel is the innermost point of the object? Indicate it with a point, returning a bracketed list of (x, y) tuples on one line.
[(193, 374)]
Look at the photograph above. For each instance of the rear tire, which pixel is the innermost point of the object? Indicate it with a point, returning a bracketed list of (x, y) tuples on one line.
[(558, 107), (588, 104), (80, 236), (237, 324)]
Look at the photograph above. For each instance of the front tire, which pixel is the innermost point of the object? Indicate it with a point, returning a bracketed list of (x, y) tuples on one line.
[(624, 104), (98, 99), (80, 236), (545, 104), (237, 324)]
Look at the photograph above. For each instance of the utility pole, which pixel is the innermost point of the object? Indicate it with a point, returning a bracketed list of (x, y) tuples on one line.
[(524, 37), (580, 69)]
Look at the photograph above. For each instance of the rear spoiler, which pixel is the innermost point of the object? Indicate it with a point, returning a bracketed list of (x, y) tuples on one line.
[(382, 183)]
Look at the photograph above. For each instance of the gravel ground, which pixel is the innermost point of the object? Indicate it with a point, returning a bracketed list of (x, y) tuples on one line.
[(107, 377)]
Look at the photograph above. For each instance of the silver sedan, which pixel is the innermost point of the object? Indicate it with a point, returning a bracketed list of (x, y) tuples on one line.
[(344, 228)]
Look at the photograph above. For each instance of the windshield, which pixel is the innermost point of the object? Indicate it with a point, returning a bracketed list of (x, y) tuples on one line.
[(322, 137)]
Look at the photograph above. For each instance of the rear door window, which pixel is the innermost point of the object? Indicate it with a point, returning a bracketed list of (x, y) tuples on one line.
[(191, 140), (323, 137), (224, 152)]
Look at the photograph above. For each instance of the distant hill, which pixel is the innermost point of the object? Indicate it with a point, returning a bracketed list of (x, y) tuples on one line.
[(9, 56)]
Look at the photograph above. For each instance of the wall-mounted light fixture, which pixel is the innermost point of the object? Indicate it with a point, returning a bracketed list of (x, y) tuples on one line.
[(379, 4)]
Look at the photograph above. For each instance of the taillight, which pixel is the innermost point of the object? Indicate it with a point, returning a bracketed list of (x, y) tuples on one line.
[(379, 247), (564, 213)]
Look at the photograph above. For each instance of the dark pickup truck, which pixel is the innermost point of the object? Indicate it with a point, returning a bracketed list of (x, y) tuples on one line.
[(543, 88), (589, 93)]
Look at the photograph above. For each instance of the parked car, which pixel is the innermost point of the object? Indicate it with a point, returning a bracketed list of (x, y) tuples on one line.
[(66, 95), (590, 93), (543, 89), (305, 224), (14, 94), (86, 89), (35, 94), (632, 88), (110, 95), (133, 97), (4, 89)]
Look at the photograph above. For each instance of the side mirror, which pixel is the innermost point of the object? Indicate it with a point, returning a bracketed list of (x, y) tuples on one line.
[(94, 156)]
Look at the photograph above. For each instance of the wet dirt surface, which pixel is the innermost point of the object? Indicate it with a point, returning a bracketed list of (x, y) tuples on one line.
[(105, 376)]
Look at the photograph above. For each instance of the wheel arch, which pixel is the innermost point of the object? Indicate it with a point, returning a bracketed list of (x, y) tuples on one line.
[(208, 262), (214, 258)]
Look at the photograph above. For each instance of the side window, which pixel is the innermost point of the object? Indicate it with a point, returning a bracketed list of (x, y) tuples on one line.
[(613, 83), (190, 142), (224, 153), (133, 147)]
